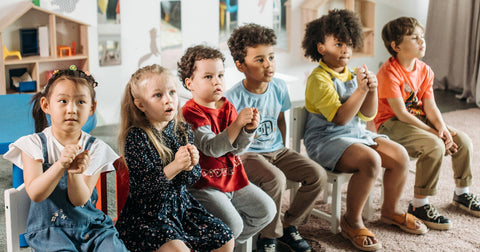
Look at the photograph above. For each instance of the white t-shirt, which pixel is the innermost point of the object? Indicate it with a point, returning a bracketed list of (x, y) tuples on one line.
[(102, 156)]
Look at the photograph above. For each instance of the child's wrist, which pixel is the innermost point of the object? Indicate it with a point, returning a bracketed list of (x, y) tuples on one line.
[(249, 131)]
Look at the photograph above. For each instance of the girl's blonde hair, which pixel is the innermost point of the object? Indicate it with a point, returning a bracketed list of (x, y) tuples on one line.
[(131, 116)]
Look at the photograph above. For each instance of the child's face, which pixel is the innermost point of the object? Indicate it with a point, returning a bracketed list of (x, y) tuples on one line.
[(207, 83), (69, 106), (259, 64), (336, 54), (412, 46), (158, 99)]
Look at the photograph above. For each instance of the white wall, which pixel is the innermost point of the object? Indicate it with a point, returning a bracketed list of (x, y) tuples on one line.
[(200, 25), (136, 22)]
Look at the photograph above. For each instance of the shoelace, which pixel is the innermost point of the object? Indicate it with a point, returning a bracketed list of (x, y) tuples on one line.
[(432, 212), (296, 236), (473, 200), (269, 248)]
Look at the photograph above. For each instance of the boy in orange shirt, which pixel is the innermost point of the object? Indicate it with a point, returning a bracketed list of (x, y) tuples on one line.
[(407, 113)]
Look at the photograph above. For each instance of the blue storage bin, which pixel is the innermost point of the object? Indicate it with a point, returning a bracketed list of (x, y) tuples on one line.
[(27, 86)]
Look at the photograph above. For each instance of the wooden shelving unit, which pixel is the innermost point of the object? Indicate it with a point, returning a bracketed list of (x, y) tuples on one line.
[(61, 31), (366, 11)]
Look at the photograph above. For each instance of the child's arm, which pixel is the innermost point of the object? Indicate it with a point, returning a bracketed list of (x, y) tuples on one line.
[(217, 145), (80, 187), (282, 126), (38, 184), (370, 104), (398, 107), (435, 117), (245, 138), (247, 118), (350, 108)]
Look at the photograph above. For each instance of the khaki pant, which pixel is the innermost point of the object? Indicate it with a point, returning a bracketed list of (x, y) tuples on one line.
[(269, 171), (430, 150)]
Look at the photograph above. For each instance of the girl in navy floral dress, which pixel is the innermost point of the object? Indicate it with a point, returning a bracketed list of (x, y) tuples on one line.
[(160, 214)]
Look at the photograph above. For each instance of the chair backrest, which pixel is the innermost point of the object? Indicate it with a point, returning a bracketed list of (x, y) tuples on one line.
[(299, 117), (121, 180), (17, 205)]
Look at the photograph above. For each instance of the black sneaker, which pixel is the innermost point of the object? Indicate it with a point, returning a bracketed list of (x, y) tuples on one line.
[(467, 202), (292, 239), (430, 216), (266, 245)]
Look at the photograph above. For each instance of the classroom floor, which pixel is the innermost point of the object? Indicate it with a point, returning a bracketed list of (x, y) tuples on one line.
[(445, 99)]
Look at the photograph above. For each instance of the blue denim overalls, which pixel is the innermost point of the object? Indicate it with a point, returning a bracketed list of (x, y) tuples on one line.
[(326, 141), (54, 224)]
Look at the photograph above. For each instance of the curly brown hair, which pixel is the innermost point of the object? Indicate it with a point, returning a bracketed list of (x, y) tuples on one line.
[(186, 65), (394, 31), (344, 25), (249, 35)]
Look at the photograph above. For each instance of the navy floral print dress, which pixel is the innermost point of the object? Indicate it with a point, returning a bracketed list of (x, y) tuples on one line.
[(158, 210)]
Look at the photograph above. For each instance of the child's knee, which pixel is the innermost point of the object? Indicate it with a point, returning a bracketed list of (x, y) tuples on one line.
[(435, 149), (275, 184), (371, 165), (463, 140), (236, 225), (318, 176)]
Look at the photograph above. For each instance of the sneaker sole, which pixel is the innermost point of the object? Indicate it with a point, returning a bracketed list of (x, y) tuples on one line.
[(437, 226), (288, 246), (476, 213)]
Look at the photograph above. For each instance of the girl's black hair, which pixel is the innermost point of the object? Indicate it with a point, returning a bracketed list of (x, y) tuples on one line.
[(77, 76), (343, 24)]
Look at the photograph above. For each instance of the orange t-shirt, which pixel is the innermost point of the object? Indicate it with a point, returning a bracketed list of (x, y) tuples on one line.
[(395, 81)]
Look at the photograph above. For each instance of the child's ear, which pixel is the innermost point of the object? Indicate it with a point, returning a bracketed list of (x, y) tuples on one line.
[(240, 66), (395, 47), (188, 83), (139, 105), (321, 48), (94, 107), (44, 105)]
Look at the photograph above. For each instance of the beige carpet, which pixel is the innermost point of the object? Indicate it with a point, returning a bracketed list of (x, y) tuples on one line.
[(465, 234)]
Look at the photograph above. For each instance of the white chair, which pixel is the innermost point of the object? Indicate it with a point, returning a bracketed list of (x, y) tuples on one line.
[(245, 247), (298, 118), (17, 205)]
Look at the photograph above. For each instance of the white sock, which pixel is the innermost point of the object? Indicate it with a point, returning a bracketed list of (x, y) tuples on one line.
[(419, 202), (461, 190)]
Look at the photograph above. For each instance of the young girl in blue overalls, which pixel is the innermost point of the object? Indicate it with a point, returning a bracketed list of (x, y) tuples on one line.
[(339, 101), (61, 166)]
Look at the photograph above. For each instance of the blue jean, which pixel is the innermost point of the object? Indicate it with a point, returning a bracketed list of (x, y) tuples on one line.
[(246, 211)]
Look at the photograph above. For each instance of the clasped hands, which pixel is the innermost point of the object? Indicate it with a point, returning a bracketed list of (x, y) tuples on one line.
[(248, 118), (186, 157), (73, 161), (366, 79), (450, 146)]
